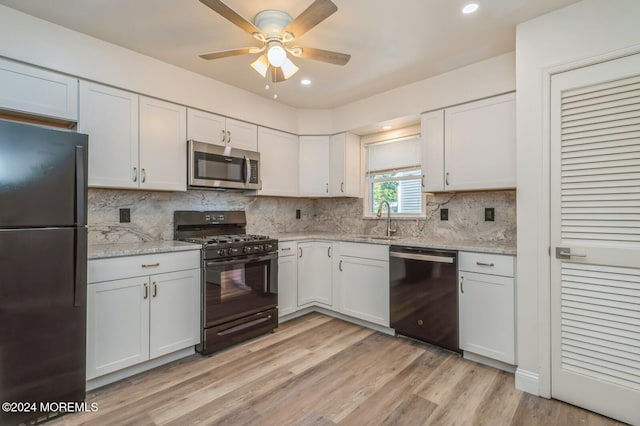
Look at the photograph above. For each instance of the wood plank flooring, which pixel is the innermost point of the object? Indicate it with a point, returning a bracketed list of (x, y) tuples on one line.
[(317, 370)]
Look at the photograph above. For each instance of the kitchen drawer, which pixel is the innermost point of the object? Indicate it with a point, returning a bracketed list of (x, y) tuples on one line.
[(287, 248), (115, 268), (494, 264), (365, 251)]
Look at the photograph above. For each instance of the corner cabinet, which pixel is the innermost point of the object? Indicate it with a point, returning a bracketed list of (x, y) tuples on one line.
[(218, 130), (30, 90), (344, 175), (315, 273), (363, 282), (487, 305), (470, 146), (315, 158), (278, 162), (141, 317), (135, 142), (330, 166)]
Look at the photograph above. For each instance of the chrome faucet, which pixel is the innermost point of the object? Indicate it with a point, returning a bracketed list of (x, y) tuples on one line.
[(390, 231)]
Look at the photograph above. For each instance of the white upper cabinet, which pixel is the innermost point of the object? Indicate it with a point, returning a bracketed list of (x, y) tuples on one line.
[(163, 149), (476, 150), (315, 157), (432, 136), (344, 174), (278, 163), (110, 117), (218, 130), (26, 89), (134, 141)]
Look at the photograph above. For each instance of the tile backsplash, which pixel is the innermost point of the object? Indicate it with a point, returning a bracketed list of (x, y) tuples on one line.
[(152, 215)]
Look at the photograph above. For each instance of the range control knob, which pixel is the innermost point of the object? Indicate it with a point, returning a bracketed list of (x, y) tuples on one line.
[(221, 252), (232, 251), (257, 249), (268, 247), (246, 249)]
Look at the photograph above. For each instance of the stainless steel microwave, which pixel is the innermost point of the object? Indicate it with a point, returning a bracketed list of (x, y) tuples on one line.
[(222, 167)]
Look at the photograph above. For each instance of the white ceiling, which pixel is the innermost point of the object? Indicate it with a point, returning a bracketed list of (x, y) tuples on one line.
[(392, 43)]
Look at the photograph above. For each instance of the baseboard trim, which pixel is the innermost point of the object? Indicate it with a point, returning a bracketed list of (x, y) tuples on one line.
[(489, 361), (527, 381), (101, 381)]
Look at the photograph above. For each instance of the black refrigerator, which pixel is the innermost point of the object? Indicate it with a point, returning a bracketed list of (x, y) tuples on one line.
[(43, 274)]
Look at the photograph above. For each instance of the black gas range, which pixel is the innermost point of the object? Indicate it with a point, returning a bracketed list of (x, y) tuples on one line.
[(239, 279)]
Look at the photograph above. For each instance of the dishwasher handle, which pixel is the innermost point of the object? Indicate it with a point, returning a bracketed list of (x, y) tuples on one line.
[(426, 257)]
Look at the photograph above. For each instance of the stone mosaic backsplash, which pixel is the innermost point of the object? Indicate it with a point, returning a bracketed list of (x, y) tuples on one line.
[(152, 215)]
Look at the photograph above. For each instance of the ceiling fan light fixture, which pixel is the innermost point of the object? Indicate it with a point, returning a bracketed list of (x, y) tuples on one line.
[(276, 54), (470, 8), (288, 68), (261, 65)]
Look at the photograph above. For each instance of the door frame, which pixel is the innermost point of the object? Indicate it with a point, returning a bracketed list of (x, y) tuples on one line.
[(544, 201)]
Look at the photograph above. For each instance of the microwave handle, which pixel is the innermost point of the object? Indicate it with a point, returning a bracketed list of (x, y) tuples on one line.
[(247, 170)]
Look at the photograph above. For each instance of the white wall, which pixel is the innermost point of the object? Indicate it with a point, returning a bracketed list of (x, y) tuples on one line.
[(482, 79), (35, 41), (315, 121), (579, 34)]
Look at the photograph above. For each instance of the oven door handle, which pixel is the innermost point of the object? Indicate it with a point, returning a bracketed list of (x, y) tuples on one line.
[(241, 260), (247, 170)]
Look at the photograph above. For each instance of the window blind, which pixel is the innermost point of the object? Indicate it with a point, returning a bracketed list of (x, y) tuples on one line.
[(398, 154)]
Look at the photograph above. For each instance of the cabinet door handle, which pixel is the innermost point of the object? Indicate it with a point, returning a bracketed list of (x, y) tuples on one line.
[(155, 289), (146, 291), (150, 265), (340, 266), (134, 174), (143, 175), (224, 136), (342, 187), (328, 251), (446, 178), (327, 190), (229, 136), (484, 264), (299, 251), (462, 285), (422, 181)]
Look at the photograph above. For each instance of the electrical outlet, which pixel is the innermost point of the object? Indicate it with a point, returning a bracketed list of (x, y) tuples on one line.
[(444, 214), (490, 214), (298, 214), (125, 215)]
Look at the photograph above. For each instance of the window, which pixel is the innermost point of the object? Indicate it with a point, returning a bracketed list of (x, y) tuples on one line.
[(393, 174)]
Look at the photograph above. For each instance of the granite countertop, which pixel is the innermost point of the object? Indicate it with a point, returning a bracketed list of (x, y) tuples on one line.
[(99, 251), (464, 245)]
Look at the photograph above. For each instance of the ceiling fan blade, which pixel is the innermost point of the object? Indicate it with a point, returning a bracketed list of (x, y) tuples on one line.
[(312, 16), (335, 58), (231, 15), (227, 53)]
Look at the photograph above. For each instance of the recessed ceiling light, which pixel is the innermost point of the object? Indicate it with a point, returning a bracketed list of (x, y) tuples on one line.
[(305, 82), (470, 8), (387, 127)]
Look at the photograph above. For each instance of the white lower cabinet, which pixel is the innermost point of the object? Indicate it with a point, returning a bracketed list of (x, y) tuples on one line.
[(287, 279), (363, 284), (486, 302), (132, 320), (314, 273)]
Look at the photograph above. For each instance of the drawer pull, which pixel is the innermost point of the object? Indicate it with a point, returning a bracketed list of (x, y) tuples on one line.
[(484, 264), (285, 248), (150, 265)]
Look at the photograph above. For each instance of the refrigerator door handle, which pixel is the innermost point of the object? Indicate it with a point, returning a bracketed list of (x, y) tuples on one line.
[(80, 186), (80, 268)]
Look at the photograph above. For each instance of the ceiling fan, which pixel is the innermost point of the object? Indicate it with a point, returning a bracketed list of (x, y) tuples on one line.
[(276, 30)]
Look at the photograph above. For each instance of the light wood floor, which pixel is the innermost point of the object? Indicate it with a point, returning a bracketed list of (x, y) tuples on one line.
[(323, 371)]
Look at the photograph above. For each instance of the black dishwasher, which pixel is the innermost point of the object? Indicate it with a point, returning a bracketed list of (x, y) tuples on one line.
[(424, 295)]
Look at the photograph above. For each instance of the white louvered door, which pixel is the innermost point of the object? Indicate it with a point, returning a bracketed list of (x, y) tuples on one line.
[(595, 216)]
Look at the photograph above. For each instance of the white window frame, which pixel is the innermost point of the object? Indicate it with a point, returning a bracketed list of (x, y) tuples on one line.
[(367, 182)]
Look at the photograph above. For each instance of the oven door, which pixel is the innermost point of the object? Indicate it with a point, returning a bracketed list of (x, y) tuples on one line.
[(239, 287)]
